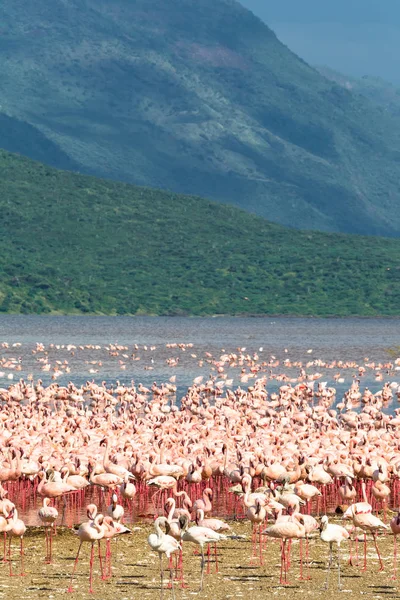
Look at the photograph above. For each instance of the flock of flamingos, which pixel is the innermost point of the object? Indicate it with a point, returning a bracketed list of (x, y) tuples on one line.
[(281, 460)]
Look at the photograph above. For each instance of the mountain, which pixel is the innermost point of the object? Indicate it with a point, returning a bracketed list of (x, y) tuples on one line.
[(376, 89), (357, 38), (72, 243), (198, 98)]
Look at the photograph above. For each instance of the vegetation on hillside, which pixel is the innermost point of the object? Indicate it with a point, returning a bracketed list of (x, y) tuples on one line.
[(380, 92), (200, 98), (76, 244)]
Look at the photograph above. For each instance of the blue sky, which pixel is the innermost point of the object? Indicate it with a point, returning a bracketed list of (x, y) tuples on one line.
[(357, 37)]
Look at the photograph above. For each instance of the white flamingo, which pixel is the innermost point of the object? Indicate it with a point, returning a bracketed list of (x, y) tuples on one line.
[(331, 533), (163, 544)]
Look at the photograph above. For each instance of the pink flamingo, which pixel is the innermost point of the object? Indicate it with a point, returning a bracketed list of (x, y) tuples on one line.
[(216, 525), (17, 528), (163, 544), (48, 515), (90, 532), (199, 536), (205, 502), (113, 529), (286, 530), (367, 522)]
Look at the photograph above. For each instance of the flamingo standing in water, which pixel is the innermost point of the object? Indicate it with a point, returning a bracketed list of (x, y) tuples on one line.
[(332, 533), (48, 515), (163, 544), (90, 532)]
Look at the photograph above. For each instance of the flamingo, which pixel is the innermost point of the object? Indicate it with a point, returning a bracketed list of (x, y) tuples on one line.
[(161, 482), (113, 529), (115, 510), (331, 533), (286, 530), (16, 528), (205, 502), (199, 536), (163, 544), (48, 515), (367, 522), (54, 489), (214, 524), (127, 488), (90, 532)]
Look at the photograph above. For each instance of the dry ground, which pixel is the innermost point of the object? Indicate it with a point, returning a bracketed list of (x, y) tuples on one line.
[(136, 573)]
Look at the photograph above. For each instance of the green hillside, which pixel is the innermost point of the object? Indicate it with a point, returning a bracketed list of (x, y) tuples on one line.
[(199, 98), (72, 243)]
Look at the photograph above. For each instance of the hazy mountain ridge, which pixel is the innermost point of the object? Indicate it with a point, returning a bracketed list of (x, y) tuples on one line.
[(381, 92), (200, 98)]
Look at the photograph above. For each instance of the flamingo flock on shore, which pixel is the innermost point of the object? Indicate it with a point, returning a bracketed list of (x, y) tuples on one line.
[(274, 458)]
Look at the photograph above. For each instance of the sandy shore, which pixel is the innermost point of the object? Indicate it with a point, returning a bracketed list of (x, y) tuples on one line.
[(136, 571)]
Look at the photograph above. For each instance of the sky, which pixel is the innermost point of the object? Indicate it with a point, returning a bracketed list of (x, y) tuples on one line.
[(356, 37)]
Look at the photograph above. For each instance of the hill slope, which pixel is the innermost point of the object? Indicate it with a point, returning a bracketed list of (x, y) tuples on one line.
[(376, 89), (201, 98), (74, 243)]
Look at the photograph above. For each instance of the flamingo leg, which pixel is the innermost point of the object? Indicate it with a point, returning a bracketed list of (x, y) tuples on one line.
[(307, 577), (161, 577), (377, 551), (208, 559), (101, 560), (301, 559), (356, 538), (282, 559), (329, 566), (287, 560), (46, 533), (253, 543), (50, 544), (289, 547), (395, 558), (183, 584), (364, 568), (91, 569), (5, 548), (9, 556), (338, 566), (171, 579), (21, 553), (202, 569), (74, 569), (63, 511)]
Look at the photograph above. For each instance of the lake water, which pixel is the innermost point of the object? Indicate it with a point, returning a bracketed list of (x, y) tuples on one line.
[(293, 338)]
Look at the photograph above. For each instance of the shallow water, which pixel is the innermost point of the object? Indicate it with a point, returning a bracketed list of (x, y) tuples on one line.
[(341, 339)]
